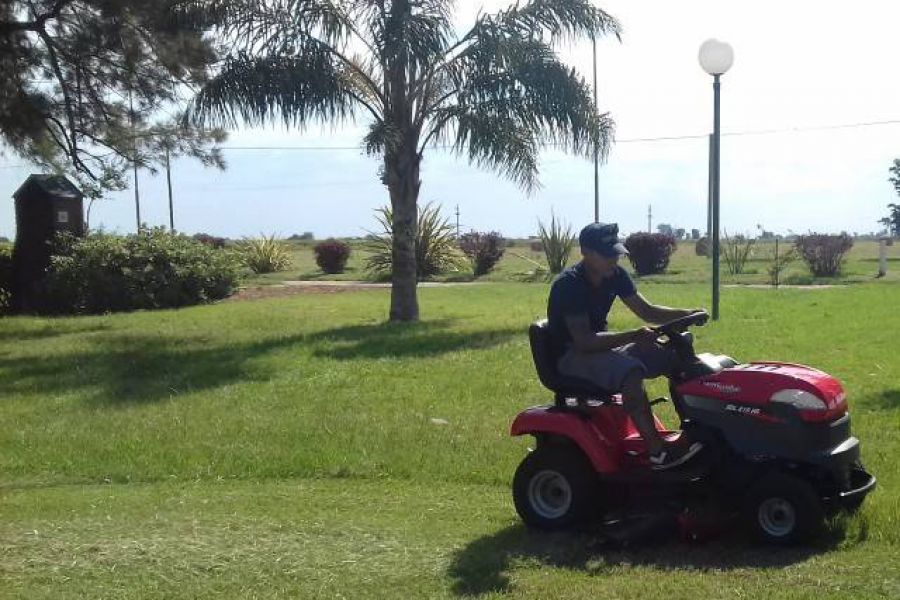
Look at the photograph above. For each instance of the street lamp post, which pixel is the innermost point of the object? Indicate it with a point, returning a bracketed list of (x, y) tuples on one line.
[(716, 58), (596, 148)]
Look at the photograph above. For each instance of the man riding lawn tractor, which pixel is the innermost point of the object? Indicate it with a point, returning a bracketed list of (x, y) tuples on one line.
[(580, 300), (777, 451)]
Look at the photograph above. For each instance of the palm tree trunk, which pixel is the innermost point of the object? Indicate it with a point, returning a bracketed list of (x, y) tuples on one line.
[(401, 166), (402, 170)]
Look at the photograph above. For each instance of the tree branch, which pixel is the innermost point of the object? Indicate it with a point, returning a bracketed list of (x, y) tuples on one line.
[(67, 98), (39, 20)]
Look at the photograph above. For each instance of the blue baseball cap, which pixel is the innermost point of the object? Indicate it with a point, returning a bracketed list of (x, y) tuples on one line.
[(602, 238)]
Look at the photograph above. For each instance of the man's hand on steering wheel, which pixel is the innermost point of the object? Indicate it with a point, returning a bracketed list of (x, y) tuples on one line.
[(701, 321), (699, 317)]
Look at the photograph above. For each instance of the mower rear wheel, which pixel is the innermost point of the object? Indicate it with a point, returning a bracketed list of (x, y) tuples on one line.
[(783, 509), (555, 488)]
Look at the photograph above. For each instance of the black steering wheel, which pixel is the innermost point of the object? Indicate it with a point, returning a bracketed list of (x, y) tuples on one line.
[(673, 337), (680, 324)]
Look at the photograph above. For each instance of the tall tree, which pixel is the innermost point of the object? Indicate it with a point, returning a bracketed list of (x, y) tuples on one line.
[(71, 70), (895, 175), (892, 221), (495, 94)]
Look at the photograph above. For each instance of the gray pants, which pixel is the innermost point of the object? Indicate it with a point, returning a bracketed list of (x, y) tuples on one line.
[(609, 369)]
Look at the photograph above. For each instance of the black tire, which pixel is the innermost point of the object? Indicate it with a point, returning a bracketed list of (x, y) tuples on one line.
[(555, 488), (783, 509)]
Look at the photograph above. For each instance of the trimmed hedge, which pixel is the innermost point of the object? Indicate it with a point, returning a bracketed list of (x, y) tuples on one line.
[(332, 255), (152, 269), (650, 252)]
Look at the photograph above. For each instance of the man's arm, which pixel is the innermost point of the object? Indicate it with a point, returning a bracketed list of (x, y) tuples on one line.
[(585, 340), (654, 313)]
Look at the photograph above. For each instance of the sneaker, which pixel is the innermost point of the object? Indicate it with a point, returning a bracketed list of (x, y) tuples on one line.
[(674, 455)]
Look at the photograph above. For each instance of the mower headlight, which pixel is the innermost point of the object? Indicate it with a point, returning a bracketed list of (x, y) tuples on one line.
[(800, 399)]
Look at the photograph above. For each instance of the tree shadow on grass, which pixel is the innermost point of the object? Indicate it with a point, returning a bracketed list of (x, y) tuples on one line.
[(484, 566), (132, 369), (140, 369), (400, 340), (19, 331)]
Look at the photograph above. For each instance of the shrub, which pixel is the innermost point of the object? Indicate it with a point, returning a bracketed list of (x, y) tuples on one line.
[(736, 250), (650, 252), (536, 246), (557, 243), (210, 240), (701, 248), (484, 250), (823, 254), (265, 254), (151, 269), (332, 255), (436, 250), (5, 276), (780, 261)]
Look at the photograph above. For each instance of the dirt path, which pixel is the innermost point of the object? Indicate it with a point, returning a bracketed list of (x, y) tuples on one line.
[(766, 286), (294, 288)]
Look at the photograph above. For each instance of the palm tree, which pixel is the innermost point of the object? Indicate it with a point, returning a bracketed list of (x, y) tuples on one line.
[(496, 94)]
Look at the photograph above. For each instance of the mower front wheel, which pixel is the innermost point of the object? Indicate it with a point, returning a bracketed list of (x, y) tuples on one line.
[(783, 509), (555, 488)]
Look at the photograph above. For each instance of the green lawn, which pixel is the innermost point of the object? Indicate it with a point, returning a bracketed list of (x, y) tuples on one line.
[(519, 261), (301, 447)]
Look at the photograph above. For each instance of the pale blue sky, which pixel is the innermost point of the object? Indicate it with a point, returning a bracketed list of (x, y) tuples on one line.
[(797, 65)]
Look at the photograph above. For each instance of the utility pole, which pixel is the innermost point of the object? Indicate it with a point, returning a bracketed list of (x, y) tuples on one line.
[(457, 221), (169, 182), (137, 195), (649, 218)]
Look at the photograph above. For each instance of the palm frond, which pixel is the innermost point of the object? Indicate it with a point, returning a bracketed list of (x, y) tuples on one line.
[(491, 139), (418, 33), (266, 24), (363, 78), (259, 90), (381, 136), (526, 98), (558, 19)]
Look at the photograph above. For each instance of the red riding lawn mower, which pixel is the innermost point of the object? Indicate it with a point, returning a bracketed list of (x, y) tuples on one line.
[(778, 454)]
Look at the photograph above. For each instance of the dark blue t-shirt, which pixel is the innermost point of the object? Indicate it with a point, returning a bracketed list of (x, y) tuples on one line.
[(572, 294)]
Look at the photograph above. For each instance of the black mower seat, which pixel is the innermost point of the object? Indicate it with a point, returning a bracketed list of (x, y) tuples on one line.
[(545, 358)]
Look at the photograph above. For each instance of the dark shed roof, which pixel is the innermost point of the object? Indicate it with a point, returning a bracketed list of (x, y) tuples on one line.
[(54, 185)]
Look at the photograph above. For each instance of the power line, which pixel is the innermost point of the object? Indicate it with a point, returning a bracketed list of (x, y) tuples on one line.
[(290, 147), (621, 141)]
